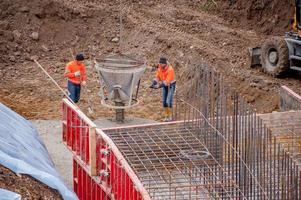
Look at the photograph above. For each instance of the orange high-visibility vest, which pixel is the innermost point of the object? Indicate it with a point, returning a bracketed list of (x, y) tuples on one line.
[(73, 67), (167, 75)]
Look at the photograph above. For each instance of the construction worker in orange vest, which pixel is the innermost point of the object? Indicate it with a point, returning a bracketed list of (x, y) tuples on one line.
[(165, 79), (76, 74)]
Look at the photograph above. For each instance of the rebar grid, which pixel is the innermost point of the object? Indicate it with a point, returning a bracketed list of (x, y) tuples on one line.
[(220, 149), (172, 157), (264, 168)]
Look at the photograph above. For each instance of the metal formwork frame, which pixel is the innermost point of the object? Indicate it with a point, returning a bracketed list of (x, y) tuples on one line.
[(86, 186), (97, 161), (78, 130)]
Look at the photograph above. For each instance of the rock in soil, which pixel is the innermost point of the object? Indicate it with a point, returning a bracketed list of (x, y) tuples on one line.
[(35, 36)]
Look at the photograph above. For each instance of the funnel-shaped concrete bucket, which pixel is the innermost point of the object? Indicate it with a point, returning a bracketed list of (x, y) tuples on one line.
[(119, 78)]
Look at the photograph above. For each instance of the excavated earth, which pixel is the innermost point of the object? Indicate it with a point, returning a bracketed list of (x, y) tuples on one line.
[(189, 33), (26, 186), (265, 16), (184, 31)]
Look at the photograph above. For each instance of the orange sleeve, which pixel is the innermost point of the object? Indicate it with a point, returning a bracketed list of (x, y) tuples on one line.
[(68, 71), (83, 73)]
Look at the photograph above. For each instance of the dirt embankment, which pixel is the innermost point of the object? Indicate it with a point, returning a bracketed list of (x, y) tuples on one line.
[(27, 187), (265, 16), (181, 30), (47, 31)]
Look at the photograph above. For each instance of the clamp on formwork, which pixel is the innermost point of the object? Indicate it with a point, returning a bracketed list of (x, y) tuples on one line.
[(120, 80)]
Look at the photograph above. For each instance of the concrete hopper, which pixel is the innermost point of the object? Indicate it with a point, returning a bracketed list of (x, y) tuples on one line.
[(120, 78)]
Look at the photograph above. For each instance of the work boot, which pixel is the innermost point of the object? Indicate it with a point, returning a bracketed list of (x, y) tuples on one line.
[(165, 114), (169, 114)]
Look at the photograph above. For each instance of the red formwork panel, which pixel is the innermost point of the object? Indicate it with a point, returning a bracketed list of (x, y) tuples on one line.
[(112, 177), (114, 173), (85, 187), (75, 132)]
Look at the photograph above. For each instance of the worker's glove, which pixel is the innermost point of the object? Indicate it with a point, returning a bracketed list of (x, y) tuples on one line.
[(154, 84), (77, 73)]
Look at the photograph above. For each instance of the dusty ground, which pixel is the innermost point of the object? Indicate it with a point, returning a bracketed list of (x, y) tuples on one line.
[(27, 187), (51, 133), (265, 16), (184, 32), (187, 32)]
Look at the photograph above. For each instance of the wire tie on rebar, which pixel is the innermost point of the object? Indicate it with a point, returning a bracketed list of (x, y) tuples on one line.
[(194, 155)]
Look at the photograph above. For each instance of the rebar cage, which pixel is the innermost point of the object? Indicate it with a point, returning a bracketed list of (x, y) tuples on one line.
[(217, 149)]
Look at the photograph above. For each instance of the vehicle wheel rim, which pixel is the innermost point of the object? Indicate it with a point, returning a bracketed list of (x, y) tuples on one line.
[(273, 57)]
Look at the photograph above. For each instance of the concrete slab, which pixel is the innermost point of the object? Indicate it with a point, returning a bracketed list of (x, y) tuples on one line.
[(283, 123), (51, 133)]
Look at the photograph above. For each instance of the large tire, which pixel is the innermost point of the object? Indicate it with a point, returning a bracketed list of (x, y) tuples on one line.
[(274, 56)]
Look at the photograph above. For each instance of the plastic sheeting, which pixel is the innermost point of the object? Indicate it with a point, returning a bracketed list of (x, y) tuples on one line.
[(8, 195), (22, 151)]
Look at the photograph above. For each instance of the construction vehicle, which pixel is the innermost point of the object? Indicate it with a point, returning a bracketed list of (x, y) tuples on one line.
[(281, 54)]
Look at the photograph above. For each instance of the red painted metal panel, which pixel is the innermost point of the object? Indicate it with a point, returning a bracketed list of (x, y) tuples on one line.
[(75, 133), (69, 132), (86, 144), (120, 183), (75, 177), (80, 183), (86, 188), (93, 191), (112, 178)]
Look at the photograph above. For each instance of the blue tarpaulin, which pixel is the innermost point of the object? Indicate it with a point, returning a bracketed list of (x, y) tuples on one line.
[(8, 195), (23, 152)]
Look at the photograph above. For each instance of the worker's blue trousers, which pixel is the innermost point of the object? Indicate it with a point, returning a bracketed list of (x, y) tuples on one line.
[(167, 95), (74, 90)]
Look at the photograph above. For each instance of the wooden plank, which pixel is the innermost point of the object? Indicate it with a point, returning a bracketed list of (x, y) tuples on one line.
[(92, 149)]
